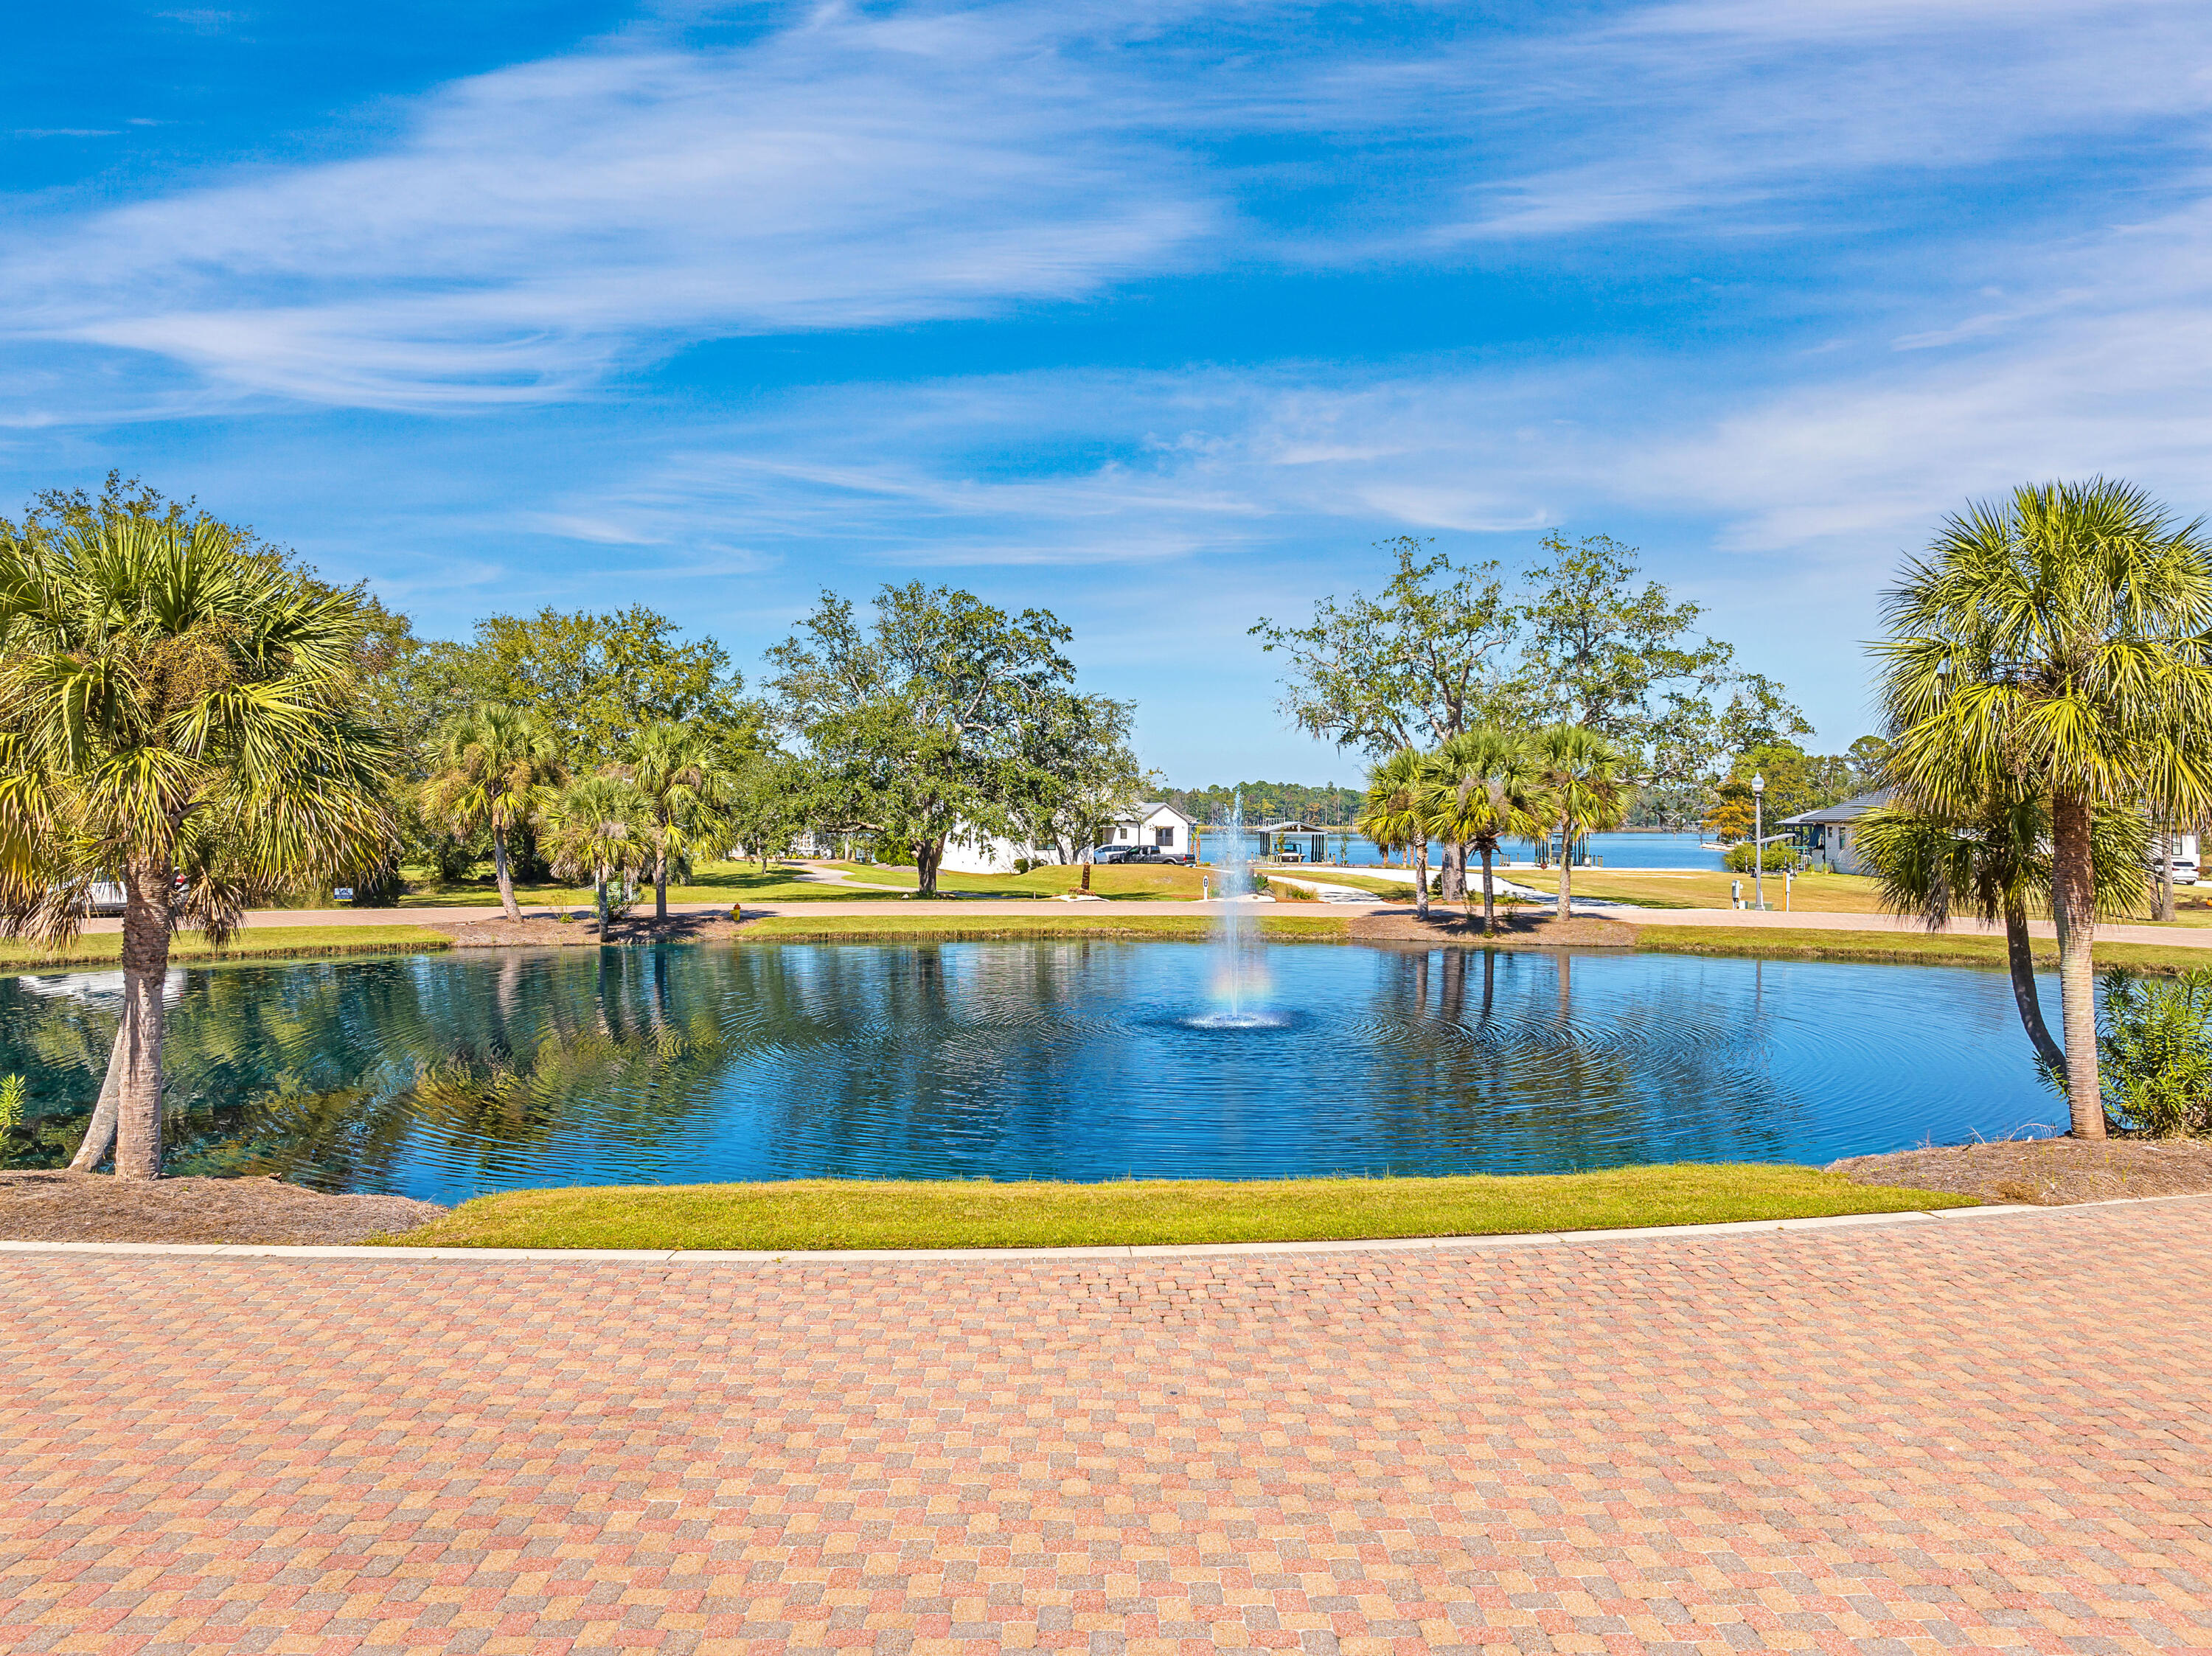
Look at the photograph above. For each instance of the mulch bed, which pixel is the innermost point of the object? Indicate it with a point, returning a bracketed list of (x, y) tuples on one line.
[(2048, 1172), (92, 1207), (539, 932), (1518, 929)]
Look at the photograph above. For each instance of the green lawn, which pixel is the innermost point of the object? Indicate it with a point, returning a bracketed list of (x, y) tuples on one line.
[(1080, 921), (734, 882), (257, 942), (1143, 882), (1918, 947), (1811, 893), (1379, 885), (854, 1213), (711, 883)]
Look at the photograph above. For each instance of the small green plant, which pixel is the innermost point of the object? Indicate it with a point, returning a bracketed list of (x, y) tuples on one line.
[(2155, 1052), (1023, 865), (11, 1106), (1777, 857)]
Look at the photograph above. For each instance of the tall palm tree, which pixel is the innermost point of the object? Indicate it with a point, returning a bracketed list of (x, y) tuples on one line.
[(1994, 863), (492, 768), (1483, 790), (598, 827), (2057, 643), (1579, 772), (687, 796), (1394, 815), (179, 712)]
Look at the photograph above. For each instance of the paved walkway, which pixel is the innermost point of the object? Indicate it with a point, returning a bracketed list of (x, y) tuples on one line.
[(2178, 937), (1912, 1437)]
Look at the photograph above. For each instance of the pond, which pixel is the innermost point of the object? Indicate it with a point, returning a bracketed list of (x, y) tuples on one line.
[(447, 1076)]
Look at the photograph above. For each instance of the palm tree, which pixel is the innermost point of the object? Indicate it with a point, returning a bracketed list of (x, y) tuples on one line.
[(1994, 863), (1483, 788), (492, 768), (599, 828), (1394, 817), (2056, 644), (687, 797), (1579, 771), (179, 712)]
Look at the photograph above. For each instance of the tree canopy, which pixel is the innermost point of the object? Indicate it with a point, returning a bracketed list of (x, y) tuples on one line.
[(1586, 641), (938, 714)]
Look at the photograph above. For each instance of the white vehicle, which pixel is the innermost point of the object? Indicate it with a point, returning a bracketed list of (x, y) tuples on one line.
[(106, 897), (2183, 848)]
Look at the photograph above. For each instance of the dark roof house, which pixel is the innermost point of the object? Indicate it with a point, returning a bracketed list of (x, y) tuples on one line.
[(1827, 835)]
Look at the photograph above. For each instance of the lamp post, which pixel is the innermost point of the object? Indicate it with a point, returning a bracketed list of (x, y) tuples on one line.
[(1759, 841)]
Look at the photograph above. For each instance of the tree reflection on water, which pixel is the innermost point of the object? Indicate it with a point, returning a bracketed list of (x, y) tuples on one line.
[(444, 1076)]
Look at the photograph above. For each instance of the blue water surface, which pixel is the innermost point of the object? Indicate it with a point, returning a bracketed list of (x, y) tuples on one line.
[(447, 1076), (1622, 850)]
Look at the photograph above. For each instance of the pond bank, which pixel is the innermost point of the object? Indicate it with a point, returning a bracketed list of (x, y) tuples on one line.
[(57, 1206), (2047, 1171), (824, 1213)]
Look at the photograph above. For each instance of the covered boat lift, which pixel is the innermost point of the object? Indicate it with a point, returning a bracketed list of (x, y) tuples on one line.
[(1291, 841)]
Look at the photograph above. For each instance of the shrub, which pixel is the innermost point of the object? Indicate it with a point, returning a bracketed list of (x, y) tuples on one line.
[(1777, 857), (2155, 1050), (1023, 865)]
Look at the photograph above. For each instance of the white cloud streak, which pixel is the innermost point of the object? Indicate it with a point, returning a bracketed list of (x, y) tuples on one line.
[(539, 223), (536, 229)]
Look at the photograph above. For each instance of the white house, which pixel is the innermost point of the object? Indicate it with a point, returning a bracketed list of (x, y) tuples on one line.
[(1155, 825), (1142, 824), (1830, 835)]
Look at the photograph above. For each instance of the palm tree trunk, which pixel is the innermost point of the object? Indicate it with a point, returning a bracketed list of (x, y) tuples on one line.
[(2072, 903), (505, 875), (99, 1132), (1489, 898), (145, 970), (1564, 908), (660, 888), (1452, 873), (2020, 955), (2166, 876), (1421, 879)]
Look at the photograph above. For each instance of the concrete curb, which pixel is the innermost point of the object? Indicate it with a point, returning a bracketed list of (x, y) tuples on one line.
[(1647, 1234)]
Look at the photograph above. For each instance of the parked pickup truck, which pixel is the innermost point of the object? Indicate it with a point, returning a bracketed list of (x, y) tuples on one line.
[(1139, 854)]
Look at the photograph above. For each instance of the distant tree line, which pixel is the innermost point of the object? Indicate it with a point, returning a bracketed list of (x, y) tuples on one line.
[(1270, 801)]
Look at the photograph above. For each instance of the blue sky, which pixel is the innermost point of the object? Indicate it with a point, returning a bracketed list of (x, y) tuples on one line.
[(1159, 315)]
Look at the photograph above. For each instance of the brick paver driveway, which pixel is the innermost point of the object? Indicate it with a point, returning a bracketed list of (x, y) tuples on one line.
[(1983, 1432)]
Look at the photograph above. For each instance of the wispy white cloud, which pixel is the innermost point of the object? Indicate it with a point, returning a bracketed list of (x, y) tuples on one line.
[(1747, 112), (536, 229), (1841, 455), (537, 223)]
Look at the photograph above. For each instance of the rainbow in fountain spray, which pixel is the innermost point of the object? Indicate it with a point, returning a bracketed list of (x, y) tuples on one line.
[(1240, 982)]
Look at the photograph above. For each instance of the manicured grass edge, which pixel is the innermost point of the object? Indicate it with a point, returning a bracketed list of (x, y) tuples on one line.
[(1912, 947), (254, 943), (870, 928), (811, 1214)]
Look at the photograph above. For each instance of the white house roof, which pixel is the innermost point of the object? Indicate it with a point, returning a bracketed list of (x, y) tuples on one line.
[(1147, 808), (1848, 811)]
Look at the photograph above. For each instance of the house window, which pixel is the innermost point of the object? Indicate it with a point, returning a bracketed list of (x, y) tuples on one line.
[(1164, 836), (1120, 834)]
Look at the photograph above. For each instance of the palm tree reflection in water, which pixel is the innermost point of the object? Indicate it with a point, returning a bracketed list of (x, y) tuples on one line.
[(444, 1076)]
